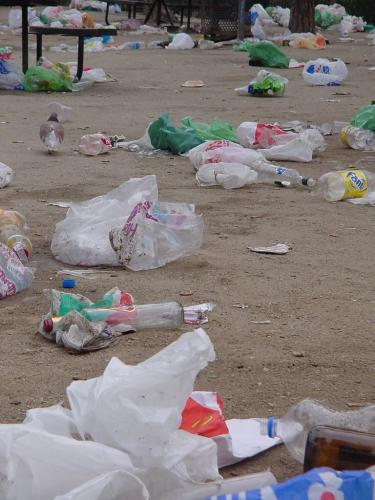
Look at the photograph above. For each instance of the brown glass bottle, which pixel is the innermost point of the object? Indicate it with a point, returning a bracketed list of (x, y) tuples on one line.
[(341, 449)]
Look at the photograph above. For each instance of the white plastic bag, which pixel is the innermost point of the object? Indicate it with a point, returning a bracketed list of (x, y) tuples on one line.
[(82, 237), (302, 147), (157, 233), (181, 41), (94, 144), (36, 465), (15, 18), (325, 72), (235, 154), (10, 76), (116, 485), (258, 31), (228, 175), (54, 419), (200, 154), (6, 175), (136, 408)]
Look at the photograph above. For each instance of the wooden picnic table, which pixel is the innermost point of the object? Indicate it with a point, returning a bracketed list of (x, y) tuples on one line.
[(25, 4)]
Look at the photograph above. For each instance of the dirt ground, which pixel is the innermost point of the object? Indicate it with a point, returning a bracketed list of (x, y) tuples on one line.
[(319, 298)]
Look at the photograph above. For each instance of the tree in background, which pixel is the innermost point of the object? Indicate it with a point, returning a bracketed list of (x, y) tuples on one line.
[(302, 16)]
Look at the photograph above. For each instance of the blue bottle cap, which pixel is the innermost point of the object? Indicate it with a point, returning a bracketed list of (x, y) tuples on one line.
[(270, 426), (68, 283)]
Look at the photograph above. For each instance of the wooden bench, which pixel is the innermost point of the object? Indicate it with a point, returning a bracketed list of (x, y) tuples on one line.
[(81, 33)]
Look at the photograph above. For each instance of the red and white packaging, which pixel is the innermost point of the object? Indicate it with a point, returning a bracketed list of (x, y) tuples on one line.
[(262, 135), (94, 144), (198, 154), (236, 439)]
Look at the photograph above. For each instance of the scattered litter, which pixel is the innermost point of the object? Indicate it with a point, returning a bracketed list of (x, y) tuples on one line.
[(264, 54), (133, 216), (315, 42), (10, 76), (240, 306), (265, 84), (64, 113), (330, 100), (187, 293), (325, 72), (372, 68), (298, 354), (14, 276), (82, 325), (66, 283), (293, 429), (181, 41), (193, 83), (6, 175), (94, 144), (279, 249), (293, 63), (82, 273), (61, 204), (13, 234), (264, 322)]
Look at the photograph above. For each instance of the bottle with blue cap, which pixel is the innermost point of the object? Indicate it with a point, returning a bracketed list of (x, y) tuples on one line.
[(294, 427)]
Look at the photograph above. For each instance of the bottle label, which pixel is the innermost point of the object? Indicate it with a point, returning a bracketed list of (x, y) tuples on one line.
[(355, 183)]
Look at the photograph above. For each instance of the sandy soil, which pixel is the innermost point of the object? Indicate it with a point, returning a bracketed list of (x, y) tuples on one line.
[(319, 298)]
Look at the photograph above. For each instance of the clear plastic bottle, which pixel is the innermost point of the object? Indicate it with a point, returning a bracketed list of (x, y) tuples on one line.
[(206, 44), (12, 234), (358, 138), (155, 44), (134, 45), (344, 184), (301, 418), (281, 176), (126, 318)]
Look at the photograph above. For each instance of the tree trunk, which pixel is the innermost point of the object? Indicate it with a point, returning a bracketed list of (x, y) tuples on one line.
[(302, 16)]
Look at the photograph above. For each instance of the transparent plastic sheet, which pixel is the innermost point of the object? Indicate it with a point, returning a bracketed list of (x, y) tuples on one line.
[(82, 237), (157, 233)]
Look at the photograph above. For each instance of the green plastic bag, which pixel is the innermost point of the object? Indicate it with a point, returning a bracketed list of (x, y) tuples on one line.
[(38, 79), (164, 135), (264, 54), (365, 117), (208, 132), (326, 19)]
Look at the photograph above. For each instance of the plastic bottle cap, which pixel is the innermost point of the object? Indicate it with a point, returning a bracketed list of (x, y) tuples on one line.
[(270, 426), (68, 283)]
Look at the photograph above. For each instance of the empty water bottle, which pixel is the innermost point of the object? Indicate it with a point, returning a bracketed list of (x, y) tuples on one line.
[(12, 234), (134, 45), (301, 418), (358, 138), (281, 176), (344, 184)]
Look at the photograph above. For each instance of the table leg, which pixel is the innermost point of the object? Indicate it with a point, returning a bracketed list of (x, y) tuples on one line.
[(38, 46), (149, 13), (81, 45), (106, 13), (25, 39), (189, 14)]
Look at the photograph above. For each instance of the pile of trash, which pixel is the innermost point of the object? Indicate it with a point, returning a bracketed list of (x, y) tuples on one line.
[(128, 227), (48, 77), (142, 432), (55, 17), (79, 324)]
